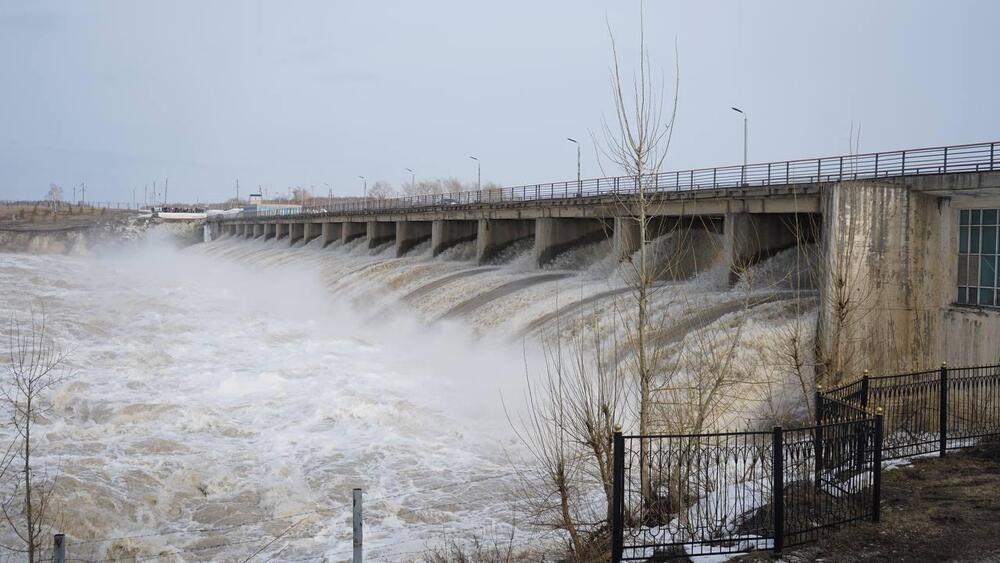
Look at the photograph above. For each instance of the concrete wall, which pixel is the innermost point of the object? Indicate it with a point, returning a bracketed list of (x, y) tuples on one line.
[(968, 335), (493, 235), (410, 234), (446, 234), (889, 283), (555, 236), (380, 232)]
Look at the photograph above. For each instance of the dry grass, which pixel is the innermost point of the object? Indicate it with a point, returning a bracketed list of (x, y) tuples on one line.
[(43, 216)]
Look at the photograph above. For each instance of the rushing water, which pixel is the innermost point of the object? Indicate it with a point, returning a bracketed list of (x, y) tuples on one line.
[(226, 393)]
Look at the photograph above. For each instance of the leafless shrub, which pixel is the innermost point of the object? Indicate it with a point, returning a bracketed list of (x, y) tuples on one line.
[(35, 364)]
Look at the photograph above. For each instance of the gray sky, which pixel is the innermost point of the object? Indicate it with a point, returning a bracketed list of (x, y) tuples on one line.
[(119, 94)]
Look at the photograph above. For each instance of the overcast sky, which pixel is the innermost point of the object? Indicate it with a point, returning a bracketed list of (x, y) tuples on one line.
[(278, 94)]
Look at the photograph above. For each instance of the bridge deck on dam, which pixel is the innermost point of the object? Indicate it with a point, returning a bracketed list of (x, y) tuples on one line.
[(783, 186)]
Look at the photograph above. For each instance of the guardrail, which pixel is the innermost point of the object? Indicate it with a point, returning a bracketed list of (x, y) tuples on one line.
[(976, 157)]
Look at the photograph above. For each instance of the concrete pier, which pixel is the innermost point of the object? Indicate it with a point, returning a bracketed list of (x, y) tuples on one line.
[(554, 236), (493, 235), (258, 230), (446, 234), (296, 232), (331, 232), (411, 233), (380, 232), (280, 231), (351, 231), (311, 231), (270, 230)]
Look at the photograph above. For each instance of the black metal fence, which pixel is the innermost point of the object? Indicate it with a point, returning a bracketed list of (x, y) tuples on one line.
[(928, 411), (687, 495), (978, 157)]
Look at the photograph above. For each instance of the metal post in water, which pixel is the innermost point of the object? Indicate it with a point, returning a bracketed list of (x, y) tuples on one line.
[(59, 548), (358, 546)]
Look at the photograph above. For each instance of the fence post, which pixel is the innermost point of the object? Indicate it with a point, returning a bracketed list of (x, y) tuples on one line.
[(358, 539), (862, 439), (818, 445), (877, 467), (59, 548), (617, 496), (943, 409), (864, 391), (778, 489)]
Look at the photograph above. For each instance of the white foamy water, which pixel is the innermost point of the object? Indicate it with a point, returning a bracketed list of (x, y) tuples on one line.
[(215, 403), (233, 390)]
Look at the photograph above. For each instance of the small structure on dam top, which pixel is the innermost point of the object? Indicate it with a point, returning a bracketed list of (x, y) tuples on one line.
[(907, 240)]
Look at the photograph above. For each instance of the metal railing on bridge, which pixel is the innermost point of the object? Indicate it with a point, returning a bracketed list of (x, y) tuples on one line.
[(978, 157)]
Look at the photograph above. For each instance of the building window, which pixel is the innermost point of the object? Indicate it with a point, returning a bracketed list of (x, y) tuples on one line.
[(977, 257)]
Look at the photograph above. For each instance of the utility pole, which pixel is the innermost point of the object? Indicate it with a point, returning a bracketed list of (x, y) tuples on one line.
[(479, 174), (83, 186), (166, 186), (237, 191)]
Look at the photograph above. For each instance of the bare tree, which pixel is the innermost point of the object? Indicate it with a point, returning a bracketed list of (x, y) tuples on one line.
[(638, 141), (571, 414), (35, 364), (55, 193), (382, 190)]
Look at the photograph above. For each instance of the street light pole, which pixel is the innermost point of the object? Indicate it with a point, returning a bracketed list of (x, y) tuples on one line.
[(579, 183), (366, 186), (745, 119), (413, 181), (479, 174)]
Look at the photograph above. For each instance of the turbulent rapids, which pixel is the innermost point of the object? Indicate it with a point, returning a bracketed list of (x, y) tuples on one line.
[(226, 392)]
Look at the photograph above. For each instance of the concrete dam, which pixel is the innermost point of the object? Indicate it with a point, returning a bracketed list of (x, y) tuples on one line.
[(880, 236)]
